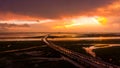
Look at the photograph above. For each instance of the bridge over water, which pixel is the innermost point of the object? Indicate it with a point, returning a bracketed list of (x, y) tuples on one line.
[(78, 59)]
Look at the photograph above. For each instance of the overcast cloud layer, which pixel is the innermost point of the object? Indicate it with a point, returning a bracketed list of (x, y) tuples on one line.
[(51, 8)]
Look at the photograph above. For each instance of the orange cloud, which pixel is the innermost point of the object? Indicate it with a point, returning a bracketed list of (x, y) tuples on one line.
[(13, 16), (112, 9)]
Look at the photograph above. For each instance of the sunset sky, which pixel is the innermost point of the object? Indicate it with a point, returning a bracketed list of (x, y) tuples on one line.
[(59, 15)]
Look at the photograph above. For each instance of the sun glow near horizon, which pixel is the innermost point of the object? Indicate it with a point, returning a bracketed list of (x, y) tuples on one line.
[(84, 21)]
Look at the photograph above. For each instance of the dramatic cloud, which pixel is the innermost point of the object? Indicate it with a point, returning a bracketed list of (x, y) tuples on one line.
[(54, 15), (51, 8), (112, 9), (13, 16), (6, 27)]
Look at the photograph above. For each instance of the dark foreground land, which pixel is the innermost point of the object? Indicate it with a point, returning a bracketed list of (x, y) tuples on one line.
[(30, 54), (36, 54)]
